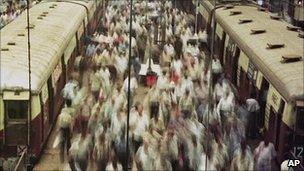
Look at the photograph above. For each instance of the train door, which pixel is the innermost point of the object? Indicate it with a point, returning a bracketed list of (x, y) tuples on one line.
[(51, 100), (45, 110), (221, 54), (16, 119), (63, 73), (271, 125), (244, 85), (278, 121), (58, 83), (274, 124), (262, 99), (42, 119), (229, 53), (234, 65)]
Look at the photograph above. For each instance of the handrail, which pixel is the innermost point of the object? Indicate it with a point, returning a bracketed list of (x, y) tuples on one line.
[(21, 162)]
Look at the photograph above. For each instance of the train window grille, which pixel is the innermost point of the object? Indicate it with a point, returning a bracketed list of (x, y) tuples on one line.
[(16, 109), (257, 31), (252, 72), (235, 12), (16, 122), (245, 20), (238, 76), (267, 113)]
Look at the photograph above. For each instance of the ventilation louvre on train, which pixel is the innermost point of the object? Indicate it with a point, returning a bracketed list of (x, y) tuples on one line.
[(257, 31), (292, 28), (4, 49), (291, 58), (235, 12), (31, 26), (275, 17), (229, 6), (20, 34), (242, 21), (275, 45), (11, 43)]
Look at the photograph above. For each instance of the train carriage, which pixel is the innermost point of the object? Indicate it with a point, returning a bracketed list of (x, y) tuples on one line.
[(244, 38), (57, 30)]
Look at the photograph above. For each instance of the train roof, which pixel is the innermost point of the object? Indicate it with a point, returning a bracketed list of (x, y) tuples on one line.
[(49, 39), (287, 78)]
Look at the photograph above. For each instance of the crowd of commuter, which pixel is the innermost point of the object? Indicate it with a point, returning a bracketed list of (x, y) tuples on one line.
[(176, 124)]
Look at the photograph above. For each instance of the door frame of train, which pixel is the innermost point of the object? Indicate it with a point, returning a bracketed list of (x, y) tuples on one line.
[(51, 100), (274, 124), (264, 87)]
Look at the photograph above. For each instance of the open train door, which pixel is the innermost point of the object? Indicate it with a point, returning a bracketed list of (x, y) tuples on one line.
[(274, 123), (16, 118)]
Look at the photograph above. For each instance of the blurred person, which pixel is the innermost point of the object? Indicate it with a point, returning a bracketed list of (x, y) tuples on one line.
[(133, 87), (224, 108), (113, 164), (243, 158), (101, 152), (65, 121), (254, 108), (70, 89), (143, 158), (140, 122), (264, 154)]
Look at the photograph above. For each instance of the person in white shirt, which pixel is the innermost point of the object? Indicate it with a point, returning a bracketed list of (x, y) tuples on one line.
[(194, 153), (206, 162), (133, 87), (264, 154), (117, 123), (188, 84), (224, 108), (104, 76), (143, 158), (242, 159), (70, 89), (253, 107), (234, 133), (139, 122), (81, 148), (120, 98), (165, 102), (65, 123), (162, 81), (218, 91), (95, 83), (186, 104)]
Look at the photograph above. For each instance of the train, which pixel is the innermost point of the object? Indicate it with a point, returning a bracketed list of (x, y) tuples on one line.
[(57, 33), (262, 57)]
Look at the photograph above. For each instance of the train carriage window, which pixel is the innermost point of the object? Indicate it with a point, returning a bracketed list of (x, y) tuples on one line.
[(16, 109)]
